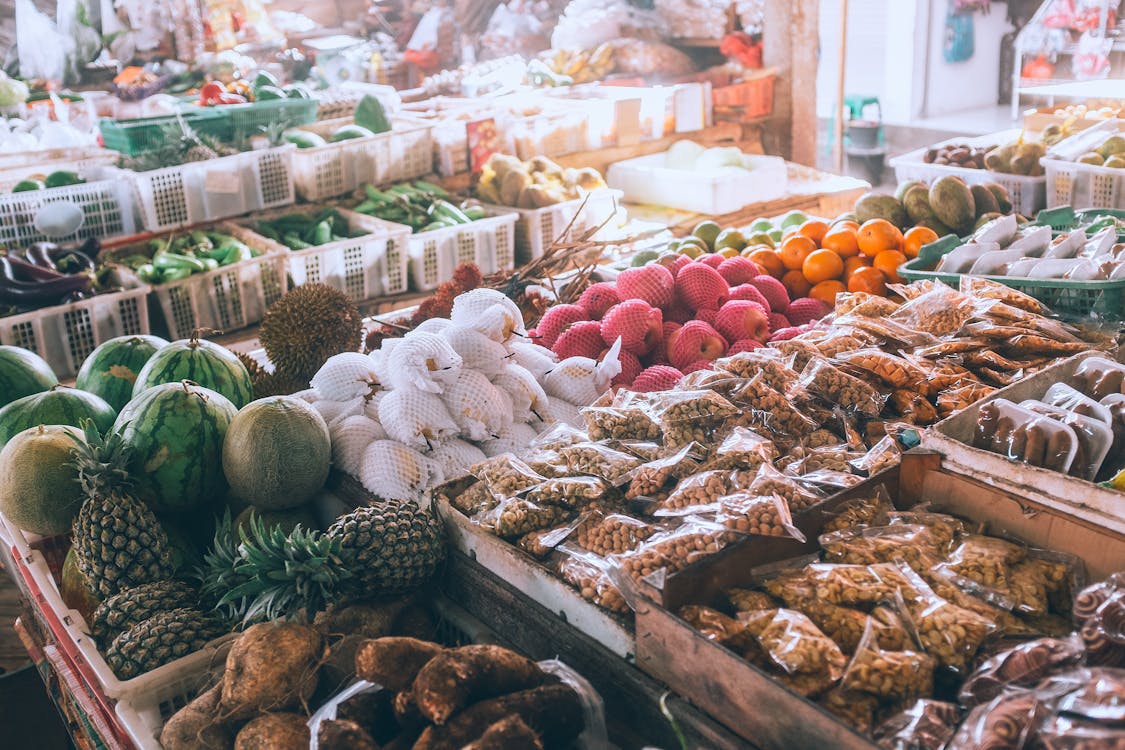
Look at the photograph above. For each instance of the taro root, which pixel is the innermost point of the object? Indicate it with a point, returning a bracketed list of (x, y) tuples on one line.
[(393, 662), (196, 726), (458, 677), (553, 711), (511, 733), (274, 732), (341, 734), (271, 666)]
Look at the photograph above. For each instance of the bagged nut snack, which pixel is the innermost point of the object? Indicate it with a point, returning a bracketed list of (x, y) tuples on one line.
[(952, 635), (1022, 666), (843, 625), (610, 534), (798, 351), (674, 550), (980, 288), (794, 644), (912, 544), (835, 385), (1006, 721), (689, 416), (762, 515), (826, 457), (945, 529), (747, 600), (724, 630), (514, 517), (858, 585), (695, 492), (860, 512), (597, 460), (826, 480), (865, 305), (895, 371), (857, 710), (770, 411), (560, 435), (954, 400), (883, 455), (625, 423), (894, 675), (505, 474), (642, 449), (887, 330), (662, 474), (836, 342), (720, 381), (475, 499), (769, 481), (925, 725), (540, 544), (773, 366), (941, 312), (572, 493), (742, 449), (589, 575), (986, 559)]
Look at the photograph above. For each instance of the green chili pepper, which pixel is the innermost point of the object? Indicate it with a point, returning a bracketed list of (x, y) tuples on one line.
[(171, 261), (176, 274)]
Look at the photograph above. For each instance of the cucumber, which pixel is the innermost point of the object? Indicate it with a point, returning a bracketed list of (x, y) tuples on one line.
[(303, 138), (347, 132)]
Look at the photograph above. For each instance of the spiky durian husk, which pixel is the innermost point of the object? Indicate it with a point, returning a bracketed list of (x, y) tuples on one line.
[(267, 383), (306, 327), (133, 606), (392, 547), (160, 639)]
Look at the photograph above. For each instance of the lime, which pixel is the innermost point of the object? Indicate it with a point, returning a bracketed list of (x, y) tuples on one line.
[(644, 257), (707, 231), (793, 219), (776, 235), (761, 225), (692, 250), (26, 186), (728, 252), (761, 238), (730, 238)]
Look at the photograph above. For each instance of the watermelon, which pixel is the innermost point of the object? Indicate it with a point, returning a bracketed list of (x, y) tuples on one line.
[(39, 490), (277, 453), (60, 405), (22, 373), (176, 433), (202, 362), (111, 370)]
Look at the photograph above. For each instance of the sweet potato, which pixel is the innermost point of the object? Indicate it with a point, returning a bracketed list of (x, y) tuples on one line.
[(554, 712), (341, 734), (406, 711), (461, 676), (196, 726), (274, 732), (511, 733), (393, 662), (270, 667), (372, 711), (404, 741)]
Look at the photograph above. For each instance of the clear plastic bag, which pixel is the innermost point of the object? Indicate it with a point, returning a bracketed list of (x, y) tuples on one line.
[(670, 551), (506, 475), (831, 383), (1006, 721), (883, 455), (860, 512), (951, 634), (794, 644), (610, 533), (895, 371), (514, 517), (540, 544), (742, 449), (573, 493), (798, 351), (627, 423), (656, 477), (865, 305), (748, 600), (761, 515), (945, 529), (857, 710), (1094, 693), (1062, 732), (893, 675), (941, 312), (925, 725), (913, 407), (724, 630), (475, 499), (1104, 632), (1094, 436), (1022, 435), (589, 574), (770, 481), (697, 492), (978, 288), (598, 460), (689, 416), (558, 436), (889, 330), (1097, 377), (772, 364), (853, 585), (914, 545), (771, 412), (951, 401), (1021, 666)]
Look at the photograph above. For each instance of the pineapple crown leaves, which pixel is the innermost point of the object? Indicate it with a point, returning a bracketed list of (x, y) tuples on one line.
[(265, 574), (101, 460)]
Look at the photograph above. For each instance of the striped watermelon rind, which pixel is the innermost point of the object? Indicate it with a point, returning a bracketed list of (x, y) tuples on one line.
[(59, 405), (22, 373), (176, 431), (202, 362), (111, 370)]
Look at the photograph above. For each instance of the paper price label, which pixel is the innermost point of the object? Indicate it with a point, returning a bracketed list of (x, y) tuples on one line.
[(222, 182)]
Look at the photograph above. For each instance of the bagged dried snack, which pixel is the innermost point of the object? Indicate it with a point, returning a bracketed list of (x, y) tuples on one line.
[(1007, 721), (747, 600), (572, 493), (926, 725), (798, 351), (894, 675), (724, 630), (505, 475), (826, 480), (742, 449), (825, 457), (862, 586), (696, 492), (589, 575), (833, 384), (860, 512), (761, 515), (610, 533), (914, 545), (952, 635), (1098, 377), (606, 422), (888, 330), (1063, 732), (857, 710), (773, 366), (945, 529), (721, 382), (843, 625), (837, 342), (559, 435), (1022, 435), (662, 474), (1036, 345), (1071, 399), (670, 551), (894, 371), (540, 544), (770, 412), (883, 455), (953, 400), (644, 450), (913, 407), (598, 460), (768, 481), (980, 288), (1022, 666), (475, 499), (514, 517), (1095, 693), (865, 305), (941, 311), (687, 416), (794, 644), (986, 559)]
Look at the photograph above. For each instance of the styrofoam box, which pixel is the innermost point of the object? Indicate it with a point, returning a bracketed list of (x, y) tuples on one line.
[(106, 200), (216, 189), (64, 335), (645, 179), (490, 243), (1028, 194), (538, 228)]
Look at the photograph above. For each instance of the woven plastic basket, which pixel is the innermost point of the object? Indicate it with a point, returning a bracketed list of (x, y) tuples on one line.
[(1070, 183)]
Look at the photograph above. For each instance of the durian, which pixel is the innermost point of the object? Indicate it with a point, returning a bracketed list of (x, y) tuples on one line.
[(265, 383), (307, 326)]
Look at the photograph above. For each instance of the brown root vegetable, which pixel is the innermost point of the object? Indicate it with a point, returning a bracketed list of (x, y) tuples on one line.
[(404, 741), (372, 711), (554, 712), (368, 620), (271, 666), (274, 732), (460, 676), (393, 662), (341, 734), (196, 726), (406, 711), (339, 667), (511, 733)]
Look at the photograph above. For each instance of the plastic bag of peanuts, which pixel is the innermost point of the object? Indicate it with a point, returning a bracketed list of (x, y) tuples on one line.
[(655, 477), (695, 493), (610, 533), (769, 481), (505, 474), (670, 551), (540, 544), (775, 368), (761, 515), (689, 416), (891, 675), (620, 423), (597, 459), (860, 512), (794, 644), (514, 517), (911, 543), (724, 630), (742, 449), (949, 633), (589, 574)]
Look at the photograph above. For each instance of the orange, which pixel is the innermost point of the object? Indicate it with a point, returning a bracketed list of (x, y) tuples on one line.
[(822, 265), (913, 240), (814, 229), (841, 239), (826, 292), (878, 235), (888, 262), (769, 261), (870, 280), (851, 265), (796, 284), (794, 251)]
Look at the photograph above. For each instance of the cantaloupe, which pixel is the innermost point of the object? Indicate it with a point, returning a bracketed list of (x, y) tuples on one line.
[(277, 453), (39, 490)]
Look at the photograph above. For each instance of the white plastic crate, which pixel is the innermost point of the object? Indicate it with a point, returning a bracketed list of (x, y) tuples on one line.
[(1028, 194), (489, 243), (78, 160), (1070, 183), (215, 189), (538, 228), (106, 199), (366, 267), (645, 179), (339, 168), (64, 335)]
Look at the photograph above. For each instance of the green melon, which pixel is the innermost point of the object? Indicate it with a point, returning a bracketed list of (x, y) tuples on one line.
[(176, 432), (39, 490), (202, 362), (22, 373), (60, 405), (277, 453), (111, 370)]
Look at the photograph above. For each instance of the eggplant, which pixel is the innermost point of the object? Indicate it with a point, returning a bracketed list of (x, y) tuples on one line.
[(25, 271), (72, 261), (13, 291), (39, 253)]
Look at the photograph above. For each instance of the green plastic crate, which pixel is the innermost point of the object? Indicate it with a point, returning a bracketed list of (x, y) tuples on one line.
[(1066, 219), (1078, 298), (250, 119), (144, 134)]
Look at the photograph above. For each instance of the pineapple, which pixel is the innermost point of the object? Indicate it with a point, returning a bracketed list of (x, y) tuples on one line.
[(133, 606), (118, 543), (160, 639), (391, 546)]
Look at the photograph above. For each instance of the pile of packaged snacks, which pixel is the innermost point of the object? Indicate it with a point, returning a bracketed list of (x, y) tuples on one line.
[(949, 638), (748, 447)]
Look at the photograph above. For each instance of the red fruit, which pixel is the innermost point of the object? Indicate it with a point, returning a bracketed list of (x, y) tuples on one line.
[(696, 340), (750, 293), (773, 290), (636, 323), (597, 299), (700, 287), (659, 353), (677, 312), (582, 339), (652, 283), (707, 316), (630, 368), (746, 345), (742, 319), (701, 364), (738, 270), (657, 378), (806, 310), (787, 333), (777, 322), (556, 320), (711, 259)]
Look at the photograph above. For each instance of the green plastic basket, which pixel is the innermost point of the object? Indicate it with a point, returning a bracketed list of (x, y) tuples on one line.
[(144, 134), (1105, 299), (1066, 219), (252, 118)]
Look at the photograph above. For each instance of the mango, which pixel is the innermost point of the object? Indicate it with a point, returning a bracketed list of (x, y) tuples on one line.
[(1117, 161), (1091, 157), (917, 203), (881, 206), (985, 202), (1115, 144), (953, 204), (904, 188), (1000, 193)]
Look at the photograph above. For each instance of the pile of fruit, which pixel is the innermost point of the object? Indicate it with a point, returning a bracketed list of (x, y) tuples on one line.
[(657, 479), (538, 182), (1019, 157), (1111, 153), (422, 206), (178, 256), (369, 119), (947, 206), (262, 87), (45, 274)]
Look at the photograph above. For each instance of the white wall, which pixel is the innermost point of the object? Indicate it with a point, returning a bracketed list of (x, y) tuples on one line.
[(951, 87)]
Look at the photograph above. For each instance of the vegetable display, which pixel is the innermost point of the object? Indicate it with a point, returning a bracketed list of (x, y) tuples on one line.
[(535, 183), (46, 274), (177, 257), (301, 231), (422, 206)]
